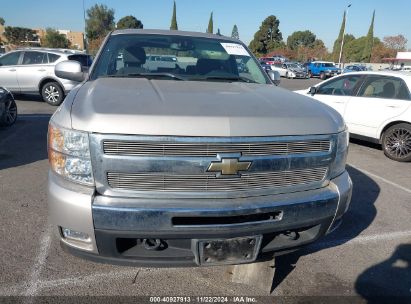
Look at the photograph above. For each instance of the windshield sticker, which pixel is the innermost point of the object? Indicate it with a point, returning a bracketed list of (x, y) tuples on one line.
[(235, 49)]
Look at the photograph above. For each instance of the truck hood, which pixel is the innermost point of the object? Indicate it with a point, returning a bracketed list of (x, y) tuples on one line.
[(189, 108)]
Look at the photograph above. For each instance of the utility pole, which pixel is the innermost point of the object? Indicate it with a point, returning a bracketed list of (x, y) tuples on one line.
[(342, 41)]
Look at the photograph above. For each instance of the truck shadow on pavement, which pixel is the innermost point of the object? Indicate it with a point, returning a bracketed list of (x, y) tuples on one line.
[(359, 216), (25, 142), (388, 281)]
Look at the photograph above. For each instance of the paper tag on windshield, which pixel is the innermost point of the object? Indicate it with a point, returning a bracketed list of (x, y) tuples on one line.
[(235, 49)]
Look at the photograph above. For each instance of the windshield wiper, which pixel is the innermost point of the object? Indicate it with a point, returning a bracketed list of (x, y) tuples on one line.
[(147, 75), (231, 78)]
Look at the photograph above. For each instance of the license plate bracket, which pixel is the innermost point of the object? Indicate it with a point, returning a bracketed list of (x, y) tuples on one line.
[(229, 251)]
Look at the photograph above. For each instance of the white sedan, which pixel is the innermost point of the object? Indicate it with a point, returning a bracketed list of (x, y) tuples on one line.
[(376, 107)]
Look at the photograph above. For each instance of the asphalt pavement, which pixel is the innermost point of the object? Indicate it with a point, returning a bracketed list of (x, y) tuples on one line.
[(367, 258)]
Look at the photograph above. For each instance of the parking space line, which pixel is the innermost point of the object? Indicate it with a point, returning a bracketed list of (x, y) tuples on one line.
[(95, 277), (104, 276), (33, 282), (363, 239), (381, 178)]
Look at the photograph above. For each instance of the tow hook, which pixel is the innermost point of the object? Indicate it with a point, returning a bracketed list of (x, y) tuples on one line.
[(152, 244)]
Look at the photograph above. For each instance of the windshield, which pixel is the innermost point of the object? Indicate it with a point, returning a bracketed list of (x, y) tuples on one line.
[(177, 58), (293, 66)]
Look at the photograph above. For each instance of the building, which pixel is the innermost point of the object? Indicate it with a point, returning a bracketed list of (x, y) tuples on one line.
[(76, 38), (3, 38), (402, 59)]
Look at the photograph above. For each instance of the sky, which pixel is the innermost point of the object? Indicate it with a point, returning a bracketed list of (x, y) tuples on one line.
[(322, 17)]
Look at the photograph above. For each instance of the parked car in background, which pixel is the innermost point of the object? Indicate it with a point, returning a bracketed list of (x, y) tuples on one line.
[(266, 67), (354, 68), (322, 69), (8, 108), (376, 107), (31, 70), (290, 70), (268, 60)]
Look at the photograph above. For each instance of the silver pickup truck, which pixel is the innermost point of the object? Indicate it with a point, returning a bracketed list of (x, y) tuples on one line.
[(197, 163)]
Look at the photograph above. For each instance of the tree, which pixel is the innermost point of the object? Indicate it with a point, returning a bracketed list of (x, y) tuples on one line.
[(100, 20), (174, 25), (210, 24), (234, 33), (2, 21), (397, 43), (381, 51), (366, 55), (300, 38), (268, 37), (337, 43), (129, 22), (19, 35), (353, 48), (53, 39), (314, 51)]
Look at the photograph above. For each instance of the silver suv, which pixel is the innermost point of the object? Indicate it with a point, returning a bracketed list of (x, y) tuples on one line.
[(31, 70)]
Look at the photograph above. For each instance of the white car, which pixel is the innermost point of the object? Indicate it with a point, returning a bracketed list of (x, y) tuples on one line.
[(376, 107)]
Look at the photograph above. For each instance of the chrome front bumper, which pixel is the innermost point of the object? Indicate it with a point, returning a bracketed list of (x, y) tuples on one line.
[(114, 222)]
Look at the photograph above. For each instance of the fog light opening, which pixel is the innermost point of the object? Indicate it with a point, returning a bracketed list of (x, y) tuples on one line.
[(74, 235)]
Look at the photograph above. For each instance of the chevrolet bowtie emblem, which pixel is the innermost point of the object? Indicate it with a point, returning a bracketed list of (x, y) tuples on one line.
[(229, 166)]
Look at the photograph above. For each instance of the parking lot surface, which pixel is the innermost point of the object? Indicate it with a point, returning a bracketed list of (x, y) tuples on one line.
[(368, 256)]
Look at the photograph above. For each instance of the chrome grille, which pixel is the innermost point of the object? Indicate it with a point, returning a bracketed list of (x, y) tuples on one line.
[(140, 148), (207, 182)]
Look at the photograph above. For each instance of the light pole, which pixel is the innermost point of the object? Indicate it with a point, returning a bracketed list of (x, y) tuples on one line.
[(84, 35), (342, 41)]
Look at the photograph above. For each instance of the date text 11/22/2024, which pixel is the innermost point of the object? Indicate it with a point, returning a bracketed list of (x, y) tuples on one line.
[(203, 299)]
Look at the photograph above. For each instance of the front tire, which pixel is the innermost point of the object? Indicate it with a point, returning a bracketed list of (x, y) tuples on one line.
[(396, 142), (10, 113), (322, 76), (310, 75), (52, 93)]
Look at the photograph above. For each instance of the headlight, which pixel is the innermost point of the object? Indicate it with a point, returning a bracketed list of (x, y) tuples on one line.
[(338, 166), (69, 154)]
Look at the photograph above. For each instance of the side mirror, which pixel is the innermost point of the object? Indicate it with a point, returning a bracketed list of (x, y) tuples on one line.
[(312, 91), (275, 77), (70, 70)]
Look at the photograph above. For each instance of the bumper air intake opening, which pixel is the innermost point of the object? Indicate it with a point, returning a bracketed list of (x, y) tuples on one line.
[(227, 220)]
